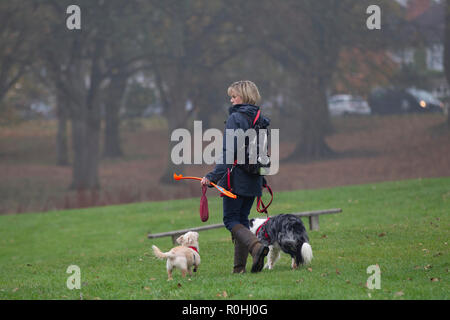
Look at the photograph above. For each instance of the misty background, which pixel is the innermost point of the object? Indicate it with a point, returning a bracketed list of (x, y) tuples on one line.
[(86, 115)]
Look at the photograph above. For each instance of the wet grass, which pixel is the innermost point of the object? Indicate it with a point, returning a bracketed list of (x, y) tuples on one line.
[(400, 226)]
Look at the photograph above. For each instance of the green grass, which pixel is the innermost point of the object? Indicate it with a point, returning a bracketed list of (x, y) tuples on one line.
[(401, 226)]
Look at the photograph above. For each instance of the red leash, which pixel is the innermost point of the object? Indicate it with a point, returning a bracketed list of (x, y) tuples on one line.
[(261, 207), (265, 230), (204, 211)]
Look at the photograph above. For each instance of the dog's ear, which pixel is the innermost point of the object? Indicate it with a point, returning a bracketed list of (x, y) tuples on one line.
[(180, 239)]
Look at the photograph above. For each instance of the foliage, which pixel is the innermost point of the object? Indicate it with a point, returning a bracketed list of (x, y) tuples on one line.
[(139, 99), (296, 51), (19, 37)]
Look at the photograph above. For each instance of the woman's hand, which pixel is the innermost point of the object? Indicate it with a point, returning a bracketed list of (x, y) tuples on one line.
[(205, 181)]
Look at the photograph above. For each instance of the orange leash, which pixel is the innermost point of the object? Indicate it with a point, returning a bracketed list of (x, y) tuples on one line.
[(222, 190)]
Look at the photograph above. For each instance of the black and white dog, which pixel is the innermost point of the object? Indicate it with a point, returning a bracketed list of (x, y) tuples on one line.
[(284, 232)]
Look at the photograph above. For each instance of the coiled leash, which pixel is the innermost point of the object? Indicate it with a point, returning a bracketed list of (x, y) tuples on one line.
[(204, 212), (260, 206)]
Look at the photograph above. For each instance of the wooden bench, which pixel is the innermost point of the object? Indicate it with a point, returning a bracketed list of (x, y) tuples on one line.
[(313, 224)]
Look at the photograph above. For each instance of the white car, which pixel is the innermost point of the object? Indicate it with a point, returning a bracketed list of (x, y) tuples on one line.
[(343, 104)]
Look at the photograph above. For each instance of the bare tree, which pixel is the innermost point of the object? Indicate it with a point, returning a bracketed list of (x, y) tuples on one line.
[(112, 102), (19, 34), (199, 36), (307, 43), (81, 65)]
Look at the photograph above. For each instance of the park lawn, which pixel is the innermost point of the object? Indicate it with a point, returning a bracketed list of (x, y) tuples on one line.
[(403, 227)]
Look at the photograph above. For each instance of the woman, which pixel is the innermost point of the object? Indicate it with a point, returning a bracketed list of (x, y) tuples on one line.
[(244, 97)]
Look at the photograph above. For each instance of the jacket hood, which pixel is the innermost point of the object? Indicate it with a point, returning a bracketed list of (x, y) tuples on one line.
[(250, 110)]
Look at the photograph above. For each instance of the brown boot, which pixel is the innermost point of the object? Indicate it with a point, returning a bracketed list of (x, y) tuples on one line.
[(256, 249), (240, 257)]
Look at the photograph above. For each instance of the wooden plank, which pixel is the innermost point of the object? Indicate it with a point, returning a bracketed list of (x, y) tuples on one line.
[(183, 231), (316, 213), (314, 216), (176, 233)]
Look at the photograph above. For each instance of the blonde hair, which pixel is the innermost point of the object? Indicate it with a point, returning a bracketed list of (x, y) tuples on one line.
[(247, 90)]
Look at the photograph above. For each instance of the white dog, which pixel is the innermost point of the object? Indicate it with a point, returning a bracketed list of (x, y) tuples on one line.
[(182, 257)]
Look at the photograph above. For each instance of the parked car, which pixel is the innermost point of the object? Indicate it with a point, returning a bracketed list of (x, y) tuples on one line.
[(343, 104), (37, 110), (396, 101), (426, 100)]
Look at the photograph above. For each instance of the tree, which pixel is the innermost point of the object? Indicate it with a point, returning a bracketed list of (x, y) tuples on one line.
[(130, 50), (196, 37), (307, 42), (360, 70), (19, 34), (81, 64), (112, 102), (62, 148), (447, 52)]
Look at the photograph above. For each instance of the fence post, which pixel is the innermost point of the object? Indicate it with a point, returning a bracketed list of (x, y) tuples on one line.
[(314, 222)]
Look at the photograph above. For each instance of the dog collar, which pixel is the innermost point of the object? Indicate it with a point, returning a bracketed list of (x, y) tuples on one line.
[(194, 248), (265, 231)]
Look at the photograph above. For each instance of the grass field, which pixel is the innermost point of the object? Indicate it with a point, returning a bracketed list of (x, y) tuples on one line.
[(401, 226)]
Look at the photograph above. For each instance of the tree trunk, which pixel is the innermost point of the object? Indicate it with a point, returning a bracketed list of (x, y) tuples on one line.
[(206, 102), (447, 54), (174, 103), (448, 114), (314, 124), (174, 122), (86, 138), (62, 158), (203, 111), (115, 93)]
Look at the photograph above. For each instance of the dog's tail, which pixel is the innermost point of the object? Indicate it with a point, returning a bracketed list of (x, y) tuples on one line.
[(306, 252), (159, 254)]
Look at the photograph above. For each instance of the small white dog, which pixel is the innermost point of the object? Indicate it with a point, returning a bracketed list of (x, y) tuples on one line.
[(182, 257)]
